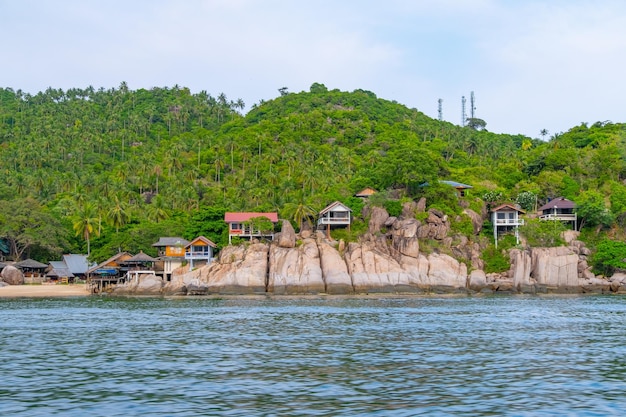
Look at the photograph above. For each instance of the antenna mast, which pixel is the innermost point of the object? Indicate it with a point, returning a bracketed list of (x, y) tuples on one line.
[(472, 104), (463, 115), (440, 109)]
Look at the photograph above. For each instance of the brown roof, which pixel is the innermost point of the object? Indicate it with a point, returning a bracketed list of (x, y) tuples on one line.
[(31, 263), (365, 192), (560, 202), (114, 258), (139, 258), (507, 206)]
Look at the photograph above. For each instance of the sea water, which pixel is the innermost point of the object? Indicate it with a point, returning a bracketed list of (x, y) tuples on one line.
[(316, 356)]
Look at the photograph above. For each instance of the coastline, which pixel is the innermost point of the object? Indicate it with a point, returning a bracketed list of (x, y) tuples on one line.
[(15, 291)]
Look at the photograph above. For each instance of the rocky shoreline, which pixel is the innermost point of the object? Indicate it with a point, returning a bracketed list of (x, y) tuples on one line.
[(386, 260)]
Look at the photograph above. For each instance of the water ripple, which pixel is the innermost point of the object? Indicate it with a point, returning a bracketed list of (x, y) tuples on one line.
[(517, 356)]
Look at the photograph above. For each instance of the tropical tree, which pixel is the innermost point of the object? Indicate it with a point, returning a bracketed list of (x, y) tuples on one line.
[(86, 224), (298, 212), (118, 215)]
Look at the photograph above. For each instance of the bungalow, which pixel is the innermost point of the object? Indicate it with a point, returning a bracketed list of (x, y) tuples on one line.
[(560, 209), (506, 218), (31, 268), (199, 250), (171, 252), (460, 187), (334, 215), (60, 272), (365, 193), (107, 272), (240, 225)]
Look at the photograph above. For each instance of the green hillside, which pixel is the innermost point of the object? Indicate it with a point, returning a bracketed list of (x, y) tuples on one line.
[(116, 169)]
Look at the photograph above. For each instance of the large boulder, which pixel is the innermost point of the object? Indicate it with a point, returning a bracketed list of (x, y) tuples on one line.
[(521, 268), (477, 280), (287, 235), (12, 275), (295, 271), (378, 217), (239, 270), (445, 273), (555, 267), (404, 237), (373, 269), (149, 284), (334, 270), (143, 284)]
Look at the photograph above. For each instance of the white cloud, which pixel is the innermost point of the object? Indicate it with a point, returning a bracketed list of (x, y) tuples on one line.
[(532, 64)]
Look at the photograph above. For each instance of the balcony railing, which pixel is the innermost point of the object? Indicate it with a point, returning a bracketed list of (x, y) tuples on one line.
[(566, 217), (333, 220), (509, 222)]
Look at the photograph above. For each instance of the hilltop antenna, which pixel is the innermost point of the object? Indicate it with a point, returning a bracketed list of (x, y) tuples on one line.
[(472, 104), (463, 115), (440, 109)]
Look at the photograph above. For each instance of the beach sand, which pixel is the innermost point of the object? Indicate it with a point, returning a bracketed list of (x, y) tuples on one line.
[(44, 290)]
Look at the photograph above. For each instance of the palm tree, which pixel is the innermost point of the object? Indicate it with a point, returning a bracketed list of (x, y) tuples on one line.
[(85, 223), (298, 212), (118, 215), (157, 210)]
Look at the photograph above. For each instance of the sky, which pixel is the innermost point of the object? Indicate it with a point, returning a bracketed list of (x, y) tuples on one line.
[(532, 65)]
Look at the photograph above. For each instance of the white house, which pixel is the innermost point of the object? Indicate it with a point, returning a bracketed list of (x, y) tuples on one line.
[(334, 215), (506, 218)]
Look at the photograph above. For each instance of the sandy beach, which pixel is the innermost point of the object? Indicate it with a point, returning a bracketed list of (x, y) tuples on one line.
[(44, 291)]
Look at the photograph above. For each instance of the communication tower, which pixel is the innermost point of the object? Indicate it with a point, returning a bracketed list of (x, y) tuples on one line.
[(440, 109), (472, 104), (463, 114)]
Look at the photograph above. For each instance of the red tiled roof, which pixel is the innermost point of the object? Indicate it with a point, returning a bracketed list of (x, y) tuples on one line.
[(244, 217)]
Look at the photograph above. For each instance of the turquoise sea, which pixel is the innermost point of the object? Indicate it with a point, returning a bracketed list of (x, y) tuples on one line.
[(318, 356)]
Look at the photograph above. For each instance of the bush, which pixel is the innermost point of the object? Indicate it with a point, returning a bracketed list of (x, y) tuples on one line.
[(610, 255), (464, 226), (542, 233), (393, 207), (495, 260)]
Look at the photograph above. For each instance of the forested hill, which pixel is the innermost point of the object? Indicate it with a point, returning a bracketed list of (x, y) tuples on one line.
[(117, 169)]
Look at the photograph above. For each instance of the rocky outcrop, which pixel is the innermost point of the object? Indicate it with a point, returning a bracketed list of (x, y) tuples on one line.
[(555, 267), (334, 270), (445, 273), (12, 275), (239, 270), (287, 236), (378, 217), (477, 220), (387, 259), (295, 271), (144, 284), (375, 270)]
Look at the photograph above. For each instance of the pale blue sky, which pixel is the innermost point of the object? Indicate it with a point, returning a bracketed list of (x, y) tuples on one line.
[(531, 64)]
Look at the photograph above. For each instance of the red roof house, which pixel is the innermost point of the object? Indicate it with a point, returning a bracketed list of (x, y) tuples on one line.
[(239, 224)]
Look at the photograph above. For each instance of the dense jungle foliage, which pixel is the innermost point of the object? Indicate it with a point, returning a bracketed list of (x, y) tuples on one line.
[(98, 171)]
